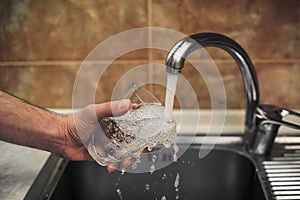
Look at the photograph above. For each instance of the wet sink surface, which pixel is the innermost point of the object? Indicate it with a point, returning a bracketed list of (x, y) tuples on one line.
[(222, 174)]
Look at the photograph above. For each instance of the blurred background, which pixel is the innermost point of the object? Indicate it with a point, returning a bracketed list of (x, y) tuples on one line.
[(43, 43)]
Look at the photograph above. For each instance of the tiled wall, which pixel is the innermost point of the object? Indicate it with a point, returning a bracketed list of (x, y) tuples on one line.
[(42, 44)]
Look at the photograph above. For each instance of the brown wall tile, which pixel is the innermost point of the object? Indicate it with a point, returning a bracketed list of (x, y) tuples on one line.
[(205, 80), (266, 29), (63, 30), (42, 45), (52, 85), (279, 84), (45, 86)]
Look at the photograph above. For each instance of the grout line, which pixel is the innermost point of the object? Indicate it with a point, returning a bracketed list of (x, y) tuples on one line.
[(150, 58), (38, 63), (277, 61), (150, 44), (66, 62), (149, 8)]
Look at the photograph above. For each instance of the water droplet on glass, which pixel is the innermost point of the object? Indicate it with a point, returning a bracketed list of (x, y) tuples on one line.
[(175, 147), (154, 158), (175, 158), (149, 148), (123, 171), (167, 144), (152, 169)]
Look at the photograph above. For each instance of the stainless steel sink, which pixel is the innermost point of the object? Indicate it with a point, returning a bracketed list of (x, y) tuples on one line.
[(225, 173), (222, 174)]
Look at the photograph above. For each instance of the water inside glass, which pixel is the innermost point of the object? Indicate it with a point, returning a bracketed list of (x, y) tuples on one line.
[(143, 126)]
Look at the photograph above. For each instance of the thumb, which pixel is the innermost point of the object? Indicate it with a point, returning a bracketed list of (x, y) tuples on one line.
[(83, 123), (113, 108)]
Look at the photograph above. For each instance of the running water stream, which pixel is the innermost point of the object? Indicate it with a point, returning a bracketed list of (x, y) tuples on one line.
[(169, 101), (170, 92)]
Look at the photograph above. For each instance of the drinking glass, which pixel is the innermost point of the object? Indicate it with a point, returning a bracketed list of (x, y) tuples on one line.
[(142, 127)]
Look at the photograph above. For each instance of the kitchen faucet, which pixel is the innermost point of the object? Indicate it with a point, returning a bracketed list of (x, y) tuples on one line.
[(261, 121)]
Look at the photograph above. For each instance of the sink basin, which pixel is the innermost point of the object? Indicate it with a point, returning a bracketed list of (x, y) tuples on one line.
[(222, 174)]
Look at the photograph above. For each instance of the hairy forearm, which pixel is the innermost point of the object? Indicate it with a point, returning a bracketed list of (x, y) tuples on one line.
[(25, 124)]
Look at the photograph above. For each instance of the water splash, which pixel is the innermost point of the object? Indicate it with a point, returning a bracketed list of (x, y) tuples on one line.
[(119, 193), (152, 169), (164, 177), (147, 187), (118, 190), (176, 185), (176, 149)]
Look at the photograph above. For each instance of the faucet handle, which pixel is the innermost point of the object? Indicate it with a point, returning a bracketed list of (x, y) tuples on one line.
[(269, 118), (274, 114)]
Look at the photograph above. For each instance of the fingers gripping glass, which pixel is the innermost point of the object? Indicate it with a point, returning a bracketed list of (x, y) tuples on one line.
[(126, 136)]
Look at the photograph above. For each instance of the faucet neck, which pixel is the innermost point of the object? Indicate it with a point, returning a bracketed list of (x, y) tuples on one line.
[(177, 55)]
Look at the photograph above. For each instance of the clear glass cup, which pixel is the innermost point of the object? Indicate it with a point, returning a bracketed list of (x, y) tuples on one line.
[(142, 127)]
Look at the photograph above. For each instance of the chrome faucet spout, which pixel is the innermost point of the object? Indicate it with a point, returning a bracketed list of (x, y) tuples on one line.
[(261, 121), (179, 52)]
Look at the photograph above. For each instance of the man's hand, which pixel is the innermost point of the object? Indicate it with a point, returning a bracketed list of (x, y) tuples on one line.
[(66, 135), (81, 125)]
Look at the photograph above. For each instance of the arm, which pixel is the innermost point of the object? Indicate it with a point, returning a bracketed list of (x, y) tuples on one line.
[(25, 124)]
